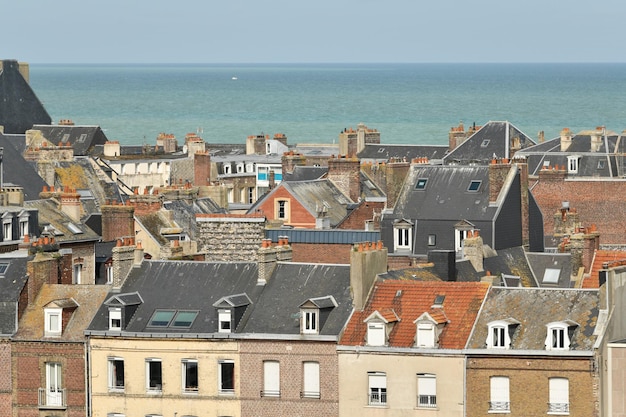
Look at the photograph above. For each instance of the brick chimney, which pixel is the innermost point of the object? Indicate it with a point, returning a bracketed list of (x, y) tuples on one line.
[(201, 168), (367, 260), (290, 160), (117, 221), (498, 172), (473, 249), (123, 260), (42, 269), (70, 203), (456, 136), (344, 173), (566, 139)]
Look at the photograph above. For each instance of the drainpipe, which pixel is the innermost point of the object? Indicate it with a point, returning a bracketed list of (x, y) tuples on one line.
[(87, 377)]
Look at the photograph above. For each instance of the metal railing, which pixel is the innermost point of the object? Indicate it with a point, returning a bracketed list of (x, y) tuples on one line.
[(310, 394), (499, 406), (378, 398), (427, 401), (270, 393), (52, 399), (558, 408)]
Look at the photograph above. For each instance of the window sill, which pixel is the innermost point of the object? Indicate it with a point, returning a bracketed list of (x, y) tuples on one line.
[(426, 408), (377, 406), (499, 411), (190, 392), (227, 393), (116, 390)]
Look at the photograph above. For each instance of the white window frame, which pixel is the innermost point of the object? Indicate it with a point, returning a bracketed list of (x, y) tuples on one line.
[(113, 369), (310, 380), (557, 337), (572, 164), (376, 333), (77, 272), (271, 378), (53, 322), (498, 336), (108, 268), (310, 320), (223, 365), (377, 388), (158, 387), (54, 384), (426, 391), (402, 238), (282, 209), (115, 318), (559, 396), (459, 236), (499, 399), (7, 229), (426, 335), (186, 383), (224, 320), (23, 226)]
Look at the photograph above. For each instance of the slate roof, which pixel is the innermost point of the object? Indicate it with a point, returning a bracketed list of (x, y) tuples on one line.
[(534, 308), (512, 261), (277, 310), (153, 223), (305, 173), (20, 108), (63, 226), (16, 170), (86, 299), (328, 236), (409, 300), (82, 138), (552, 270), (186, 286), (376, 152), (489, 141), (446, 195), (12, 281)]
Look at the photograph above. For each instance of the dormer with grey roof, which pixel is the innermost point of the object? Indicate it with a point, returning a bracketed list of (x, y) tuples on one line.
[(314, 313), (121, 308), (230, 310)]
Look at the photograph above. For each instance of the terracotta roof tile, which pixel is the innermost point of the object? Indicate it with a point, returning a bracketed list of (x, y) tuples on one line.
[(410, 299), (601, 257)]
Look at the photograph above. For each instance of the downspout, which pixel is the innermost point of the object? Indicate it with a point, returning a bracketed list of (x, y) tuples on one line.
[(506, 141), (465, 385), (88, 377)]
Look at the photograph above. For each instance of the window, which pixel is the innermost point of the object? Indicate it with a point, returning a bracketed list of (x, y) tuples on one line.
[(426, 391), (250, 195), (499, 333), (551, 275), (425, 334), (474, 186), (54, 393), (109, 272), (309, 321), (154, 376), (558, 337), (224, 318), (190, 375), (311, 380), (184, 319), (559, 396), (271, 379), (485, 143), (376, 334), (3, 267), (572, 164), (78, 268), (421, 183), (281, 210), (23, 227), (53, 322), (6, 230), (377, 384), (402, 236), (161, 318), (226, 168), (432, 240), (499, 388), (115, 318), (227, 377), (116, 374)]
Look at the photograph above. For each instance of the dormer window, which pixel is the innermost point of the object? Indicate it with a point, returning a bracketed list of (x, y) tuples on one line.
[(115, 318), (559, 335), (425, 334), (430, 325), (403, 233), (379, 326), (53, 320), (499, 333), (23, 216), (572, 164), (224, 318), (309, 321), (314, 312)]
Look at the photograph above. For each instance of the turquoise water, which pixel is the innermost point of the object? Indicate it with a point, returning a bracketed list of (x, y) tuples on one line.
[(407, 103)]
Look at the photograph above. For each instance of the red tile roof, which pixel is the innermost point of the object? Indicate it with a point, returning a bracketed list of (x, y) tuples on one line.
[(601, 257), (409, 300)]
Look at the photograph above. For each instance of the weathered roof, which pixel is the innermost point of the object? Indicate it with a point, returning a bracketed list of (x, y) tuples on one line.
[(82, 138), (534, 308), (600, 258), (305, 173), (20, 108), (409, 300), (494, 139), (551, 269), (384, 152), (85, 299), (511, 261), (336, 236), (155, 222), (182, 286), (446, 194), (12, 282), (277, 310), (315, 194), (64, 229), (16, 170)]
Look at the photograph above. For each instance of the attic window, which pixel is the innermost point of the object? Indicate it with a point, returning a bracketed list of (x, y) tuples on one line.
[(474, 186), (310, 322), (559, 335), (3, 267), (485, 143), (115, 318), (601, 164), (551, 275), (421, 183), (184, 319), (73, 228), (161, 318), (439, 300), (224, 318)]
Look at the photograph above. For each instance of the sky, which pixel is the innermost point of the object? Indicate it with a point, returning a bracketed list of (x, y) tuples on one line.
[(322, 31)]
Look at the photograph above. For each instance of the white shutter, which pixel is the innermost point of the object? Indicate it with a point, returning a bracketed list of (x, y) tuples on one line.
[(378, 380), (425, 335), (376, 334), (499, 389), (427, 384), (271, 380), (311, 378), (559, 391)]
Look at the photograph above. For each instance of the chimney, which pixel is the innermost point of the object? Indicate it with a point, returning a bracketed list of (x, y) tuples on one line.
[(566, 139), (367, 260), (66, 266), (498, 172), (596, 139), (138, 254), (70, 203), (202, 168), (267, 257), (117, 221), (112, 149), (456, 136), (345, 174), (42, 269), (396, 174), (290, 160), (123, 260), (473, 249)]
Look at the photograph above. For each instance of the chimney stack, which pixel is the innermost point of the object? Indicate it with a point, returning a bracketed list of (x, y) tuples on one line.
[(345, 174), (473, 249), (367, 260), (566, 139)]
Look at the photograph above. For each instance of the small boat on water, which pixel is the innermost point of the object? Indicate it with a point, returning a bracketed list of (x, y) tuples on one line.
[(234, 78)]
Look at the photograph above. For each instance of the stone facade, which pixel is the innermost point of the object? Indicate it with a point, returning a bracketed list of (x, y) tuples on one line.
[(229, 237)]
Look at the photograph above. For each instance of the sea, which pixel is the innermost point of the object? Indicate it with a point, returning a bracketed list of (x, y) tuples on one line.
[(313, 103)]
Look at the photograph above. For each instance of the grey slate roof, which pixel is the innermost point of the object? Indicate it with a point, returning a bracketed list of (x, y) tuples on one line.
[(82, 138), (336, 236), (551, 269), (292, 284), (11, 284), (20, 108), (51, 214), (534, 309), (384, 152), (181, 285), (16, 170), (305, 173), (493, 139)]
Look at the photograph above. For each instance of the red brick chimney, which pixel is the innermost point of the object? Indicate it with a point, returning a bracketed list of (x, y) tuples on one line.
[(202, 168), (345, 174), (70, 203), (498, 171), (117, 221)]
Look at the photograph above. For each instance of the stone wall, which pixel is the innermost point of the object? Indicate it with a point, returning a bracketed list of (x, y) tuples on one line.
[(232, 238)]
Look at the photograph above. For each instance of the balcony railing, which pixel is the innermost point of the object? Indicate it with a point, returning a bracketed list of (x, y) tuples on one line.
[(378, 398), (427, 401), (310, 394), (558, 408), (270, 393), (52, 399), (499, 406)]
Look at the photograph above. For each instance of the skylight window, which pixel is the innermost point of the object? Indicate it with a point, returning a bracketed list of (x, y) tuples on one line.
[(73, 228), (551, 275), (3, 267), (161, 318), (184, 319), (474, 186), (421, 183), (485, 143)]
